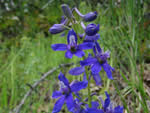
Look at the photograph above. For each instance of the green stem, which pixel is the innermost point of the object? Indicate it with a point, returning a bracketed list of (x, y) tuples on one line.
[(89, 95), (89, 91)]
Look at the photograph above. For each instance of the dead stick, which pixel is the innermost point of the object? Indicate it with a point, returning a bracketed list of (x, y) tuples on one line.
[(18, 108)]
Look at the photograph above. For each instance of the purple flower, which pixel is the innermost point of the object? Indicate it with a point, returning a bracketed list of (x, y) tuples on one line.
[(67, 11), (92, 29), (93, 38), (94, 110), (79, 70), (72, 48), (78, 106), (65, 93), (107, 106), (90, 16), (57, 28), (99, 61), (87, 17)]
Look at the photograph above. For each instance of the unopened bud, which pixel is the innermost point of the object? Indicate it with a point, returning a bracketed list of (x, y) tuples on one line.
[(92, 29), (67, 11), (56, 28), (90, 16)]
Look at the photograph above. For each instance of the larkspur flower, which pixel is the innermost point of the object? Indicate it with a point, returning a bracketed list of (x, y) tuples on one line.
[(87, 17), (99, 61), (78, 106), (79, 70), (90, 16), (92, 29), (81, 107), (65, 93), (107, 106), (93, 110), (72, 48), (58, 28), (67, 11), (91, 32)]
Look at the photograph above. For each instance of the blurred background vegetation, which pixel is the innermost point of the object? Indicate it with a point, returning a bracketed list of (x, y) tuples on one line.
[(25, 51)]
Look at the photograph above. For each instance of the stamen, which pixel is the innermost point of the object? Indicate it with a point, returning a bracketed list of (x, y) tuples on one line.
[(72, 39)]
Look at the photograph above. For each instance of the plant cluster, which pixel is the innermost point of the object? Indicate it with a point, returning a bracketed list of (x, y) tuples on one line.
[(90, 65)]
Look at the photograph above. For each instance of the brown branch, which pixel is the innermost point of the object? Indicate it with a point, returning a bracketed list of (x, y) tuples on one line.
[(18, 108)]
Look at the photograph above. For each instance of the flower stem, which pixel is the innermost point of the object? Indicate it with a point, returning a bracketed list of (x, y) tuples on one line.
[(89, 91)]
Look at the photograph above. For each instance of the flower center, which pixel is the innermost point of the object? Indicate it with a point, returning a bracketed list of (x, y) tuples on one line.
[(73, 49), (66, 90), (72, 43), (101, 58), (100, 61)]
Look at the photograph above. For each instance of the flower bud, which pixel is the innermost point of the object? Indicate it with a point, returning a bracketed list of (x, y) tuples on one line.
[(56, 28), (67, 11), (90, 16), (91, 29)]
